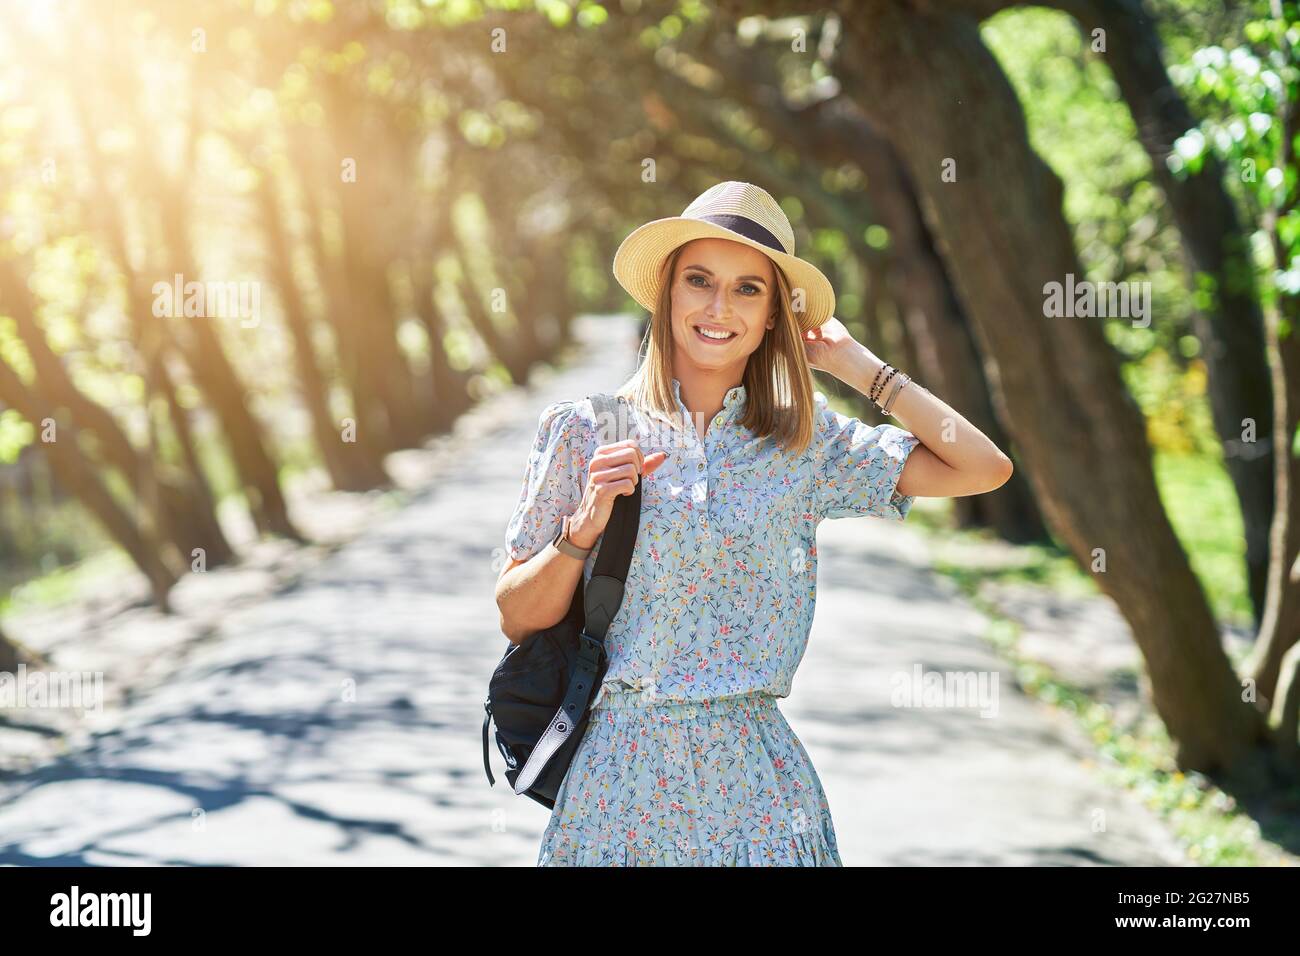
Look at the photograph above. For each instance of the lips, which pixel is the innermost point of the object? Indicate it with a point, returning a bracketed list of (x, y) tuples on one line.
[(714, 338)]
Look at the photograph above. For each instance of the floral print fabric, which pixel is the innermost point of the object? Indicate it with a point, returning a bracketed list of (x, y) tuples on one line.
[(715, 619), (722, 782)]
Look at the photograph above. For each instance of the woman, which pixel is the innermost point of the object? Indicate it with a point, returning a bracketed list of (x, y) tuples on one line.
[(687, 760)]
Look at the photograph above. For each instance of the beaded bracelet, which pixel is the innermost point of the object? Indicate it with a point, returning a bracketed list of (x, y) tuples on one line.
[(880, 388), (875, 398), (872, 390)]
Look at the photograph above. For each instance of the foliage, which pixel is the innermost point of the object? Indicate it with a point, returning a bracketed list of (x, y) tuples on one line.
[(1241, 88)]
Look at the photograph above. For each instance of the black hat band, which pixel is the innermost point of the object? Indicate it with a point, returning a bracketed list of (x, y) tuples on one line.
[(746, 227)]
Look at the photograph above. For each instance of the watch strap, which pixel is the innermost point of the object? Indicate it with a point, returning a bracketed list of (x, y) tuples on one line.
[(565, 546)]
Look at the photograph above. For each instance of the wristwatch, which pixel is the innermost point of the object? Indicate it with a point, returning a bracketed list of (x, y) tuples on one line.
[(564, 545)]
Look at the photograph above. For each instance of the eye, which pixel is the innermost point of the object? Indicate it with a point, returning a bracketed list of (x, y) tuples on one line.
[(750, 285), (693, 277)]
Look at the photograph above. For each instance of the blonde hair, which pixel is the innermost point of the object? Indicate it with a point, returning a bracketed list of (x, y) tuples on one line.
[(777, 379)]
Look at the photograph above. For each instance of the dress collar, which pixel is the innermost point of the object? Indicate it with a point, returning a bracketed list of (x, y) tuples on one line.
[(734, 397)]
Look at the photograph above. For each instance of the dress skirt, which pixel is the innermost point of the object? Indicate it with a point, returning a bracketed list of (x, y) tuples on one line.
[(722, 782)]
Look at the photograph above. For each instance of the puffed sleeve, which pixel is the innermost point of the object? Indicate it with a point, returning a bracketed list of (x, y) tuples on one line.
[(553, 479), (856, 466)]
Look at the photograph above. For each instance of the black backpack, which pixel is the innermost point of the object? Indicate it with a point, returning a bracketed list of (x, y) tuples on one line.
[(539, 693)]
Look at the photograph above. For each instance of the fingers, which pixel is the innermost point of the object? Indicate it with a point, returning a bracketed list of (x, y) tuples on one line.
[(616, 474), (624, 461), (626, 450), (653, 461)]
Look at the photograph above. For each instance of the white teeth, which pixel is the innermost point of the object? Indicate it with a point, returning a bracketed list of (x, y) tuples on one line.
[(709, 333)]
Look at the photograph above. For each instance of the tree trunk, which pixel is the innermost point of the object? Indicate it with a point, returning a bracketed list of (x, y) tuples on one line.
[(202, 528), (348, 470), (514, 361), (354, 360), (930, 84), (243, 434), (946, 348), (9, 657), (204, 353), (383, 369), (169, 507), (1231, 329), (449, 395), (80, 476), (1280, 629), (518, 272)]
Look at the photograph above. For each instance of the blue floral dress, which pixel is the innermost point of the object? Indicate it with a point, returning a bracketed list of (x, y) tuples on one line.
[(687, 760)]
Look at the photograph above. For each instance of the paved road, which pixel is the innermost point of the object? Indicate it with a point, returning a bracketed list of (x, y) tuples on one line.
[(337, 722)]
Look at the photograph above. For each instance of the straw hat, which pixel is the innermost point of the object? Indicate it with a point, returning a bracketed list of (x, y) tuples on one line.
[(738, 211)]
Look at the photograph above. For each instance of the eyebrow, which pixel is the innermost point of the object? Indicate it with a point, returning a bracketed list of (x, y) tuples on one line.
[(751, 278)]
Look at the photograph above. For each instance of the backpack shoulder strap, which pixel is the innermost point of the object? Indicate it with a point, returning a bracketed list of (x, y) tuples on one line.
[(604, 591), (602, 597)]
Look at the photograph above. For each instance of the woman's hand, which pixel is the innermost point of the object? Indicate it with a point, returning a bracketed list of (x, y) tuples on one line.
[(829, 347), (615, 469)]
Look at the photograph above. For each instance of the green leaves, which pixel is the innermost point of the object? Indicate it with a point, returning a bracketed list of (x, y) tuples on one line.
[(1243, 91), (15, 434)]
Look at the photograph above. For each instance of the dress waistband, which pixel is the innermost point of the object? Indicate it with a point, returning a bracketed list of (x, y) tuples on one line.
[(628, 699)]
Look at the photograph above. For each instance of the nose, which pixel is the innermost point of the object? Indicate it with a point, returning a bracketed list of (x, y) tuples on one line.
[(717, 302)]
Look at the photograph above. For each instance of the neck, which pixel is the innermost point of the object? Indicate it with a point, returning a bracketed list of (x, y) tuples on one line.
[(704, 389)]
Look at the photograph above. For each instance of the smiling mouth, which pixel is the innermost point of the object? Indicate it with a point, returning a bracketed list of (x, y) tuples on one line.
[(712, 334)]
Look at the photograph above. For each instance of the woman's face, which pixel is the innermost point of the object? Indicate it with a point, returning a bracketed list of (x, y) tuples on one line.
[(725, 288)]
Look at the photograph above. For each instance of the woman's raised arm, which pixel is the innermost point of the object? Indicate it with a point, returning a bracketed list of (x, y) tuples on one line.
[(955, 458)]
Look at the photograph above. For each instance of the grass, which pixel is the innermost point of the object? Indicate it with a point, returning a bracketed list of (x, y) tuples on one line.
[(1202, 506), (65, 584)]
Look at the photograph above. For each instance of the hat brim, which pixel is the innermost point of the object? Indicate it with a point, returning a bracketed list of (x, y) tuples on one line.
[(641, 256)]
